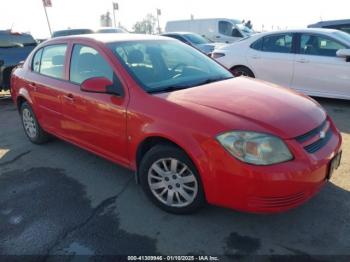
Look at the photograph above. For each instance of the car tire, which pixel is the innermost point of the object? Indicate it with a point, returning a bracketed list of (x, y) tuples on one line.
[(170, 179), (242, 71), (31, 126)]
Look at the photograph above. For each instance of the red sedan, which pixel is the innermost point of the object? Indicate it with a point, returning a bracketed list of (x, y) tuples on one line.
[(191, 132)]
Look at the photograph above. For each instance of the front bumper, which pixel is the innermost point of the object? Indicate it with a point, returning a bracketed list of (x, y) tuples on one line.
[(268, 189)]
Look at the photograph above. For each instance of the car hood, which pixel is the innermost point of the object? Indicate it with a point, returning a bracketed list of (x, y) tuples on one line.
[(265, 106)]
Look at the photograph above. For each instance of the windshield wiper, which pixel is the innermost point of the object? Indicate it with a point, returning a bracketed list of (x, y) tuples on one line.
[(180, 87), (212, 80), (169, 89)]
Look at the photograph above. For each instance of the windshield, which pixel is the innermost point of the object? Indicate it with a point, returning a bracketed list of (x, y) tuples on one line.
[(16, 40), (161, 66), (197, 39), (245, 29), (344, 36)]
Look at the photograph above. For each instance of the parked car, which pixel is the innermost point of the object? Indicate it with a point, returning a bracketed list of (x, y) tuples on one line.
[(215, 29), (67, 32), (14, 48), (110, 30), (343, 25), (191, 132), (195, 40), (313, 61), (87, 31)]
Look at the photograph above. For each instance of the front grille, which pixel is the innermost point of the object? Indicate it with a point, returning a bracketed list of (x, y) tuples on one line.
[(317, 138), (277, 202), (312, 148)]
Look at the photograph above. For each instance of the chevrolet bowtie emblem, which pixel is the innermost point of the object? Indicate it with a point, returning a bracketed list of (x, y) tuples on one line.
[(322, 134)]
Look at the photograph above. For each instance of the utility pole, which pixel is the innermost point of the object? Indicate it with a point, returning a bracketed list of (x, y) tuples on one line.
[(159, 12), (115, 7), (47, 3)]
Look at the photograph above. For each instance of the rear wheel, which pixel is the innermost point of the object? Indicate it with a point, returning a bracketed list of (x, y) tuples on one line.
[(170, 180), (242, 71), (31, 125)]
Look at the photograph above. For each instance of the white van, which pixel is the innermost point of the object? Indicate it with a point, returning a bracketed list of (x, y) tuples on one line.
[(215, 29)]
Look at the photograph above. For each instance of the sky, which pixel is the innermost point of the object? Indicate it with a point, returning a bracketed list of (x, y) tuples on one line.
[(29, 16)]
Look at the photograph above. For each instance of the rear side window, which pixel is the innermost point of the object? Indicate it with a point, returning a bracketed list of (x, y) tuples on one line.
[(318, 45), (257, 45), (87, 63), (52, 61), (278, 43), (37, 61)]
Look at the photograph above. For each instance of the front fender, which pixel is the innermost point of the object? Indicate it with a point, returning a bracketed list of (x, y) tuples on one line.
[(196, 146)]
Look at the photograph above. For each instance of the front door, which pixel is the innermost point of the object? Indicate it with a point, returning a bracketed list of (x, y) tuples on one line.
[(318, 71), (93, 120)]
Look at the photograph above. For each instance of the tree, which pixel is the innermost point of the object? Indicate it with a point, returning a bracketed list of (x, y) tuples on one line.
[(146, 26)]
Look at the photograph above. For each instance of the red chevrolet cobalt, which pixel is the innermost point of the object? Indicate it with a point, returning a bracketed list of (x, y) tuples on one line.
[(191, 132)]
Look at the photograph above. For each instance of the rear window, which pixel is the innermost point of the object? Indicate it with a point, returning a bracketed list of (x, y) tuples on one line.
[(197, 39), (16, 40)]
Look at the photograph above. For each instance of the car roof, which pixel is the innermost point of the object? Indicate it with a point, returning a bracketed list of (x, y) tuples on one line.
[(330, 23), (72, 29), (108, 38), (179, 33), (304, 30), (9, 32)]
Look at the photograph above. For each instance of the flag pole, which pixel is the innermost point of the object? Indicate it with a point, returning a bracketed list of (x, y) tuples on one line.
[(115, 7), (115, 23), (47, 18)]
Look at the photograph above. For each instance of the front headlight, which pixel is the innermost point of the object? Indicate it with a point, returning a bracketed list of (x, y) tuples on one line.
[(255, 148)]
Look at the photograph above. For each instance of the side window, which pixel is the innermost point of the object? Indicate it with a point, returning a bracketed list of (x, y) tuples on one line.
[(225, 28), (236, 33), (52, 61), (37, 61), (318, 45), (87, 63), (257, 45), (278, 43)]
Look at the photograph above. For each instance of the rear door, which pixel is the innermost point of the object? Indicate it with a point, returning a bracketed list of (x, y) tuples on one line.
[(45, 81), (93, 120), (272, 58), (318, 71)]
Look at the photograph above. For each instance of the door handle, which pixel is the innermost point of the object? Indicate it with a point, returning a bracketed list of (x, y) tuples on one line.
[(34, 86), (69, 97), (256, 57), (302, 61)]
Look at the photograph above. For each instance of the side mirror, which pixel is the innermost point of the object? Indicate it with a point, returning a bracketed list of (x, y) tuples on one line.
[(96, 85), (1, 63), (344, 53)]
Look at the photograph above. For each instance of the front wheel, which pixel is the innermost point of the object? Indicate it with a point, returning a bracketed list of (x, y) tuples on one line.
[(170, 180), (242, 71)]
